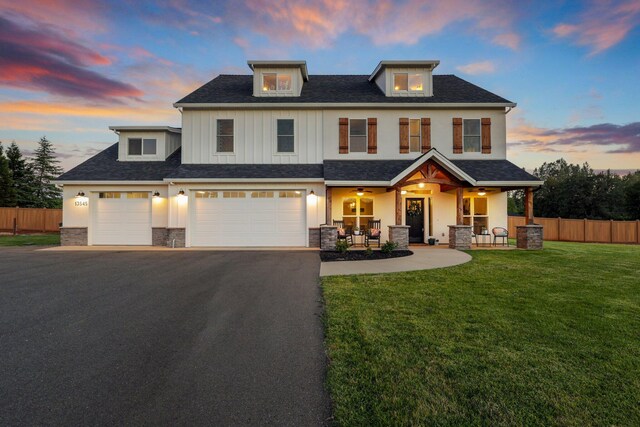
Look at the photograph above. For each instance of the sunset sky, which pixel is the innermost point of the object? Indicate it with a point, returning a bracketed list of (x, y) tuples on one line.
[(69, 69)]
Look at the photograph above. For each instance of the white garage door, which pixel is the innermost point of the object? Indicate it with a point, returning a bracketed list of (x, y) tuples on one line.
[(248, 218), (122, 218)]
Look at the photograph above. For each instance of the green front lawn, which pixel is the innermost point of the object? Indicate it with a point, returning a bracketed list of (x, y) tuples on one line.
[(30, 239), (511, 338)]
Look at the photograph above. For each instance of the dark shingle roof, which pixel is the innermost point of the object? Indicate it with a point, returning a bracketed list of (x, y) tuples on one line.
[(386, 170), (248, 171), (494, 170), (364, 170), (105, 166), (336, 89)]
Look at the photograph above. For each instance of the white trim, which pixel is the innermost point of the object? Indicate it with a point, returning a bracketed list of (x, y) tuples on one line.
[(130, 182), (426, 63), (241, 180), (509, 183), (146, 128), (357, 183), (344, 105)]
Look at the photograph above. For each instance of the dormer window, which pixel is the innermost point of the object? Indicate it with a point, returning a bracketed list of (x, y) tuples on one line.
[(280, 82), (142, 147), (408, 82)]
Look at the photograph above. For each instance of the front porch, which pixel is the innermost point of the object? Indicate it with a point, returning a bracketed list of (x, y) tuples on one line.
[(432, 201)]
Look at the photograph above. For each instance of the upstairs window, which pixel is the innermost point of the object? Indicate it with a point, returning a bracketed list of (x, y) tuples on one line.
[(408, 82), (471, 135), (224, 143), (286, 143), (358, 135), (141, 147), (272, 82)]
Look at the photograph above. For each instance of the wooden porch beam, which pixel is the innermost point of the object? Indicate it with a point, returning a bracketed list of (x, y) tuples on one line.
[(328, 219), (528, 205), (398, 206), (459, 203)]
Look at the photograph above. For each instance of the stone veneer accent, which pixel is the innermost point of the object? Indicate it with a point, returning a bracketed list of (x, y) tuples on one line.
[(314, 237), (328, 237), (159, 236), (529, 236), (399, 234), (460, 237), (178, 234), (73, 236)]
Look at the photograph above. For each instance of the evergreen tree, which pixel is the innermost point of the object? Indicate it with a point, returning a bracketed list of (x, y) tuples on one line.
[(45, 169), (7, 192), (23, 178)]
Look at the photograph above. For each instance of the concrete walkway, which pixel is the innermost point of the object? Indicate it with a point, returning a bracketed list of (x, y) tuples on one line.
[(422, 259)]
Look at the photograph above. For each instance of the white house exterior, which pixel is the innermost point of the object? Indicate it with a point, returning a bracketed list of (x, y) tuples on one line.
[(265, 159)]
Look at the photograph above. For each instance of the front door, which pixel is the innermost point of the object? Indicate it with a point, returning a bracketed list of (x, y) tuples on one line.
[(414, 218)]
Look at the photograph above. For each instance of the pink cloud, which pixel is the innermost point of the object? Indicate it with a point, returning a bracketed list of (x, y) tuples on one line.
[(40, 58), (318, 23), (483, 67), (82, 15), (602, 25)]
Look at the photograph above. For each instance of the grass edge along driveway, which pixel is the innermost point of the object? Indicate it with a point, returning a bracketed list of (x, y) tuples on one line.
[(49, 239), (513, 337)]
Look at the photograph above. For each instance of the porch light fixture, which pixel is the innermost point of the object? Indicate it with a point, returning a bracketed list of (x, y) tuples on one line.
[(156, 194), (421, 185), (403, 192), (481, 192), (360, 192), (181, 193), (312, 193), (80, 194)]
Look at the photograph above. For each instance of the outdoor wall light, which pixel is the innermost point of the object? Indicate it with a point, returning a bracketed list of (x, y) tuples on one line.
[(156, 194), (312, 193), (181, 193), (80, 194), (481, 192)]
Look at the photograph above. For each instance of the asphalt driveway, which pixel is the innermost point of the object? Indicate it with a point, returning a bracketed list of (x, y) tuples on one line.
[(159, 338)]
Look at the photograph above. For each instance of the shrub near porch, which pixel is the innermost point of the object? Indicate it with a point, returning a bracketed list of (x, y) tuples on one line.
[(512, 337)]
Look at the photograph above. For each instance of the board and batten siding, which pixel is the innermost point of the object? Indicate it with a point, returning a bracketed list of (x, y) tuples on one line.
[(255, 138)]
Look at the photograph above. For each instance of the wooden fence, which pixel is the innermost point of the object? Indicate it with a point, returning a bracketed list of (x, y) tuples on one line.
[(30, 220), (583, 230)]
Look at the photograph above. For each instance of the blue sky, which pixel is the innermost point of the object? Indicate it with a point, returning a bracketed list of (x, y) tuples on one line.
[(69, 69)]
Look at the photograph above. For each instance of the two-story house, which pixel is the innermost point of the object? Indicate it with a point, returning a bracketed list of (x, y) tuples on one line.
[(264, 159)]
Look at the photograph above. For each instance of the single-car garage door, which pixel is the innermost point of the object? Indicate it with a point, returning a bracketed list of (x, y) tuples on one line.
[(248, 218), (122, 218)]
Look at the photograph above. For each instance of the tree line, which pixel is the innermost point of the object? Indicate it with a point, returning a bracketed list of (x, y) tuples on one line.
[(577, 192), (26, 182)]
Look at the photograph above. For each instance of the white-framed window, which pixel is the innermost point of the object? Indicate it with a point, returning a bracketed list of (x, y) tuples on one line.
[(475, 213), (408, 82), (224, 136), (285, 136), (415, 142), (358, 135), (357, 211), (206, 194), (276, 82), (142, 146), (471, 142)]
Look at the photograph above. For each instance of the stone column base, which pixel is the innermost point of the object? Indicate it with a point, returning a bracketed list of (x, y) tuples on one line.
[(399, 234), (460, 237), (314, 237), (176, 237), (159, 236), (73, 236), (529, 237), (328, 237)]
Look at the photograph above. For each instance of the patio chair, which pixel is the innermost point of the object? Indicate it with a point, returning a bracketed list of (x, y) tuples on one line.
[(500, 232), (373, 232), (344, 233)]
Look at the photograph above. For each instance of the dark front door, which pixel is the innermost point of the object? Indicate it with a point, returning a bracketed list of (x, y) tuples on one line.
[(414, 218)]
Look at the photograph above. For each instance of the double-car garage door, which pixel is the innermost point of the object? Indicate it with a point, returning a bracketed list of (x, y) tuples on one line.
[(247, 218), (216, 218)]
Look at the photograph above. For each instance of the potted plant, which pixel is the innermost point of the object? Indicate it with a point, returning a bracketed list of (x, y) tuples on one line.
[(432, 241), (356, 230)]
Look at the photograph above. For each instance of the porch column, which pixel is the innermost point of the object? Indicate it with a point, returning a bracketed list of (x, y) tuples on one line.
[(528, 206), (398, 206), (459, 203), (328, 219)]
